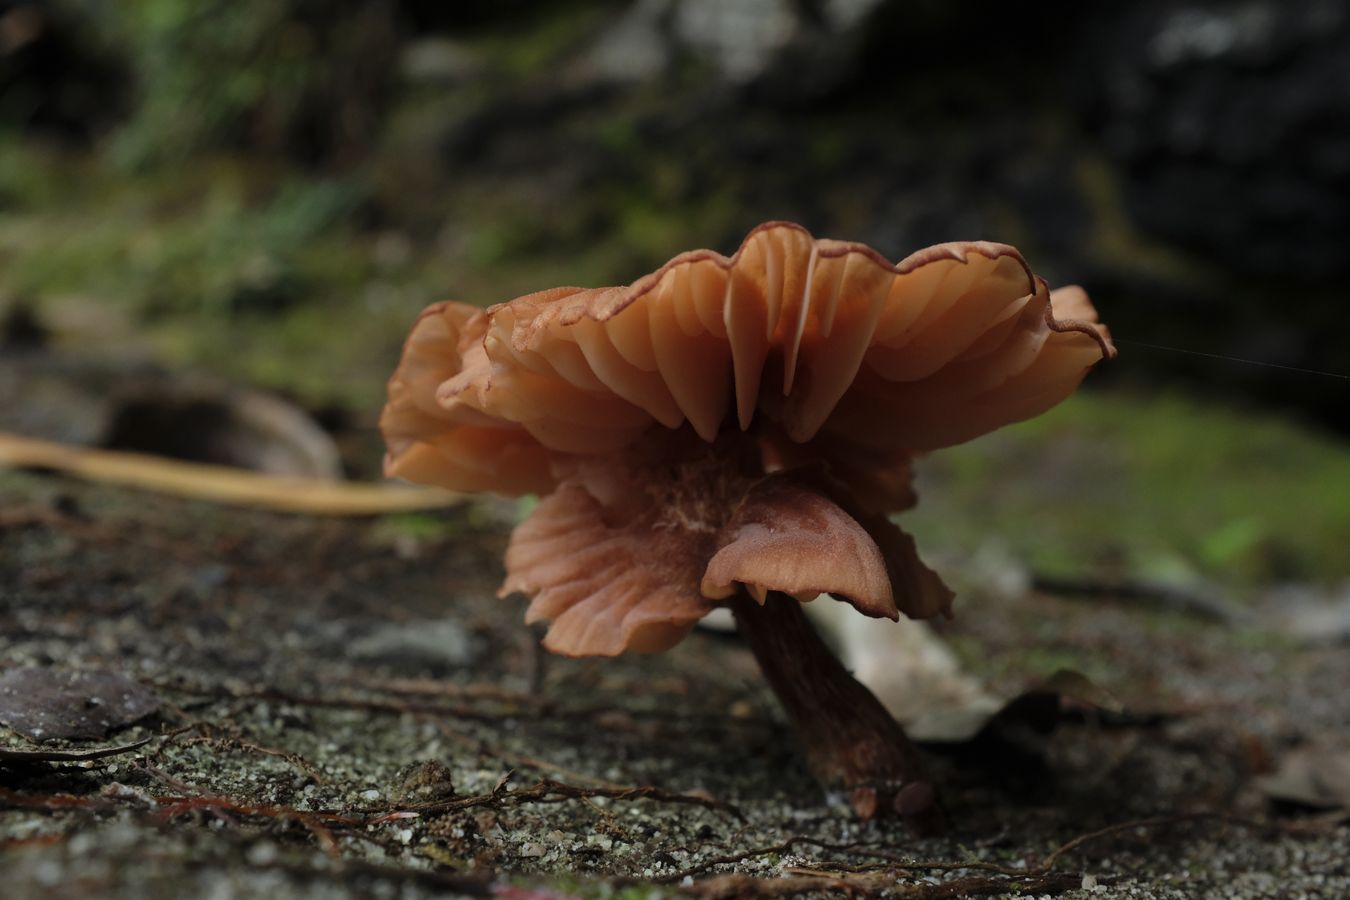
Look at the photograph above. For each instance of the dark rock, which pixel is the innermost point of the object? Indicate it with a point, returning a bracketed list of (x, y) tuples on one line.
[(22, 329), (1231, 123), (56, 76), (245, 429), (140, 407)]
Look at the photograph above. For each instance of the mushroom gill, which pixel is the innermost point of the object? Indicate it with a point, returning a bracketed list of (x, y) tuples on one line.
[(731, 429), (788, 354)]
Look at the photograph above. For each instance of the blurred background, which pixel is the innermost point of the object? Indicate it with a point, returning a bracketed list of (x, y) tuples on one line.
[(217, 221)]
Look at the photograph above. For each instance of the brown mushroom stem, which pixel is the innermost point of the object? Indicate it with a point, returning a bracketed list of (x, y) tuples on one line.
[(852, 743)]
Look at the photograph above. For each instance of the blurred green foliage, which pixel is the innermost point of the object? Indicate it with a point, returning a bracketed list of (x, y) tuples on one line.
[(1160, 486), (194, 242), (205, 69), (303, 79)]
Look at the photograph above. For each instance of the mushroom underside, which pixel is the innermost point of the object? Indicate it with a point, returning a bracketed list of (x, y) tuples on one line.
[(628, 553)]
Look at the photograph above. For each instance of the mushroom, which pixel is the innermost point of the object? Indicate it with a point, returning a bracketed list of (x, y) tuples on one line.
[(737, 431)]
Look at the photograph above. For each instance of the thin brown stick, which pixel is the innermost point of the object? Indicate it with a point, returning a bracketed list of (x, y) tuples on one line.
[(220, 484), (432, 880), (217, 736), (864, 878), (37, 840), (340, 702), (740, 886), (690, 872), (428, 687), (1177, 598), (29, 756), (10, 799), (520, 760), (316, 822), (547, 790)]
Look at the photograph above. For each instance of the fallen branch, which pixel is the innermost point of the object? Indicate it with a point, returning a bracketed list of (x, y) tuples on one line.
[(1190, 601)]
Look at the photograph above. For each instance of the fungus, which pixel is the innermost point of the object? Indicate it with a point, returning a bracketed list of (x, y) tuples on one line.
[(737, 431)]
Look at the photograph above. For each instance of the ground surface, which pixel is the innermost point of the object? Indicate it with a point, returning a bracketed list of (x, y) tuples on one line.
[(316, 682), (320, 681)]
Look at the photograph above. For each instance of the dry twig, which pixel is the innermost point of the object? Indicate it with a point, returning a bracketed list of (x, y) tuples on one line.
[(548, 791), (318, 822), (30, 756), (741, 886), (217, 736), (871, 879), (220, 484), (394, 707)]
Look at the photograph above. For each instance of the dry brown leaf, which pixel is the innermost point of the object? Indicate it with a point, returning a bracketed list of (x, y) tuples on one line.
[(1040, 707), (47, 704), (1316, 775)]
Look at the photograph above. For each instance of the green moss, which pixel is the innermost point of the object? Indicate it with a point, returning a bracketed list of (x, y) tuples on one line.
[(526, 50), (30, 176), (422, 526), (1157, 485), (257, 74), (211, 237), (227, 265)]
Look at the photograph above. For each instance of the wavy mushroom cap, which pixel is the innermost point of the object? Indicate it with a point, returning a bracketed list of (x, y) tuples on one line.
[(817, 352)]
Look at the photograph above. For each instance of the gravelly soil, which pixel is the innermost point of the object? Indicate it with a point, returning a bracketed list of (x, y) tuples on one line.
[(321, 680)]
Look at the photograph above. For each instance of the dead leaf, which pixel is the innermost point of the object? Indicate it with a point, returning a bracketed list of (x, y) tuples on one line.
[(1316, 775), (1041, 708), (1076, 689), (910, 669), (919, 680), (49, 704), (222, 425)]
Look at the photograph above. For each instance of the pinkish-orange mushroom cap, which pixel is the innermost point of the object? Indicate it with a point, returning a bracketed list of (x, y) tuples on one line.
[(726, 421)]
